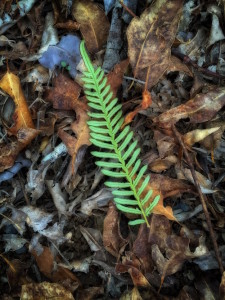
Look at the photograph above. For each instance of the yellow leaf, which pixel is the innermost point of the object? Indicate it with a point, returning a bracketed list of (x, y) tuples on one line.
[(198, 135), (10, 83)]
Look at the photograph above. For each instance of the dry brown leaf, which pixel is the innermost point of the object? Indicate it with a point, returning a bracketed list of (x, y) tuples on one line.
[(142, 248), (202, 108), (46, 264), (115, 77), (10, 83), (81, 129), (9, 152), (159, 165), (90, 293), (94, 24), (17, 273), (113, 241), (132, 265), (65, 93), (177, 65), (176, 247), (170, 187), (44, 290), (150, 38)]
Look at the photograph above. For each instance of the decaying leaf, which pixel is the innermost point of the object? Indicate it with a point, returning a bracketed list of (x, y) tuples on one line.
[(81, 129), (113, 241), (205, 183), (9, 152), (142, 249), (131, 265), (115, 77), (150, 38), (47, 265), (10, 83), (202, 108), (159, 165), (65, 93), (44, 290), (94, 24), (176, 247), (9, 18)]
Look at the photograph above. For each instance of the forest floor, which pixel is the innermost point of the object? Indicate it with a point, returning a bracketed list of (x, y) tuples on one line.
[(62, 234)]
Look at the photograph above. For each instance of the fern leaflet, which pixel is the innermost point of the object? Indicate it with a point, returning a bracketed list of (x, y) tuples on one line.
[(117, 147)]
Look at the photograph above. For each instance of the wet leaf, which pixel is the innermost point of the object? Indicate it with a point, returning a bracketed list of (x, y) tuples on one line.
[(94, 24), (150, 38), (10, 83)]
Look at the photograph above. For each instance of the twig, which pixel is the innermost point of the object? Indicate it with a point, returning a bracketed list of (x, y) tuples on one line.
[(187, 60), (202, 198), (127, 9)]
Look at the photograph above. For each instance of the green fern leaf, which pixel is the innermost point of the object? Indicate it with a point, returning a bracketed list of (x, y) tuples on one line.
[(119, 150)]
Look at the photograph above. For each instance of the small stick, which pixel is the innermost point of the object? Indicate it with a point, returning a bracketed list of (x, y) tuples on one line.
[(202, 198), (188, 61), (127, 9)]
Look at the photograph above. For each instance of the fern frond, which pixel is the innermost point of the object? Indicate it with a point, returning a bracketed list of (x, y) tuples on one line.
[(119, 150)]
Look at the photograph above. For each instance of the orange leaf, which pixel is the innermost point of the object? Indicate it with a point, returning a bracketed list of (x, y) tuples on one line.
[(145, 103), (10, 83)]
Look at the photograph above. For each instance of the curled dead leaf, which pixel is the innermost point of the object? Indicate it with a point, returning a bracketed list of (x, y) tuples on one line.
[(10, 83)]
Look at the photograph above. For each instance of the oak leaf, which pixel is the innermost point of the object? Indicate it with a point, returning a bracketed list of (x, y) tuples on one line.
[(150, 38)]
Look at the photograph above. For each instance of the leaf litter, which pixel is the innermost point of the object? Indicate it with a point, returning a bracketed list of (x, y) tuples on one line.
[(61, 234)]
